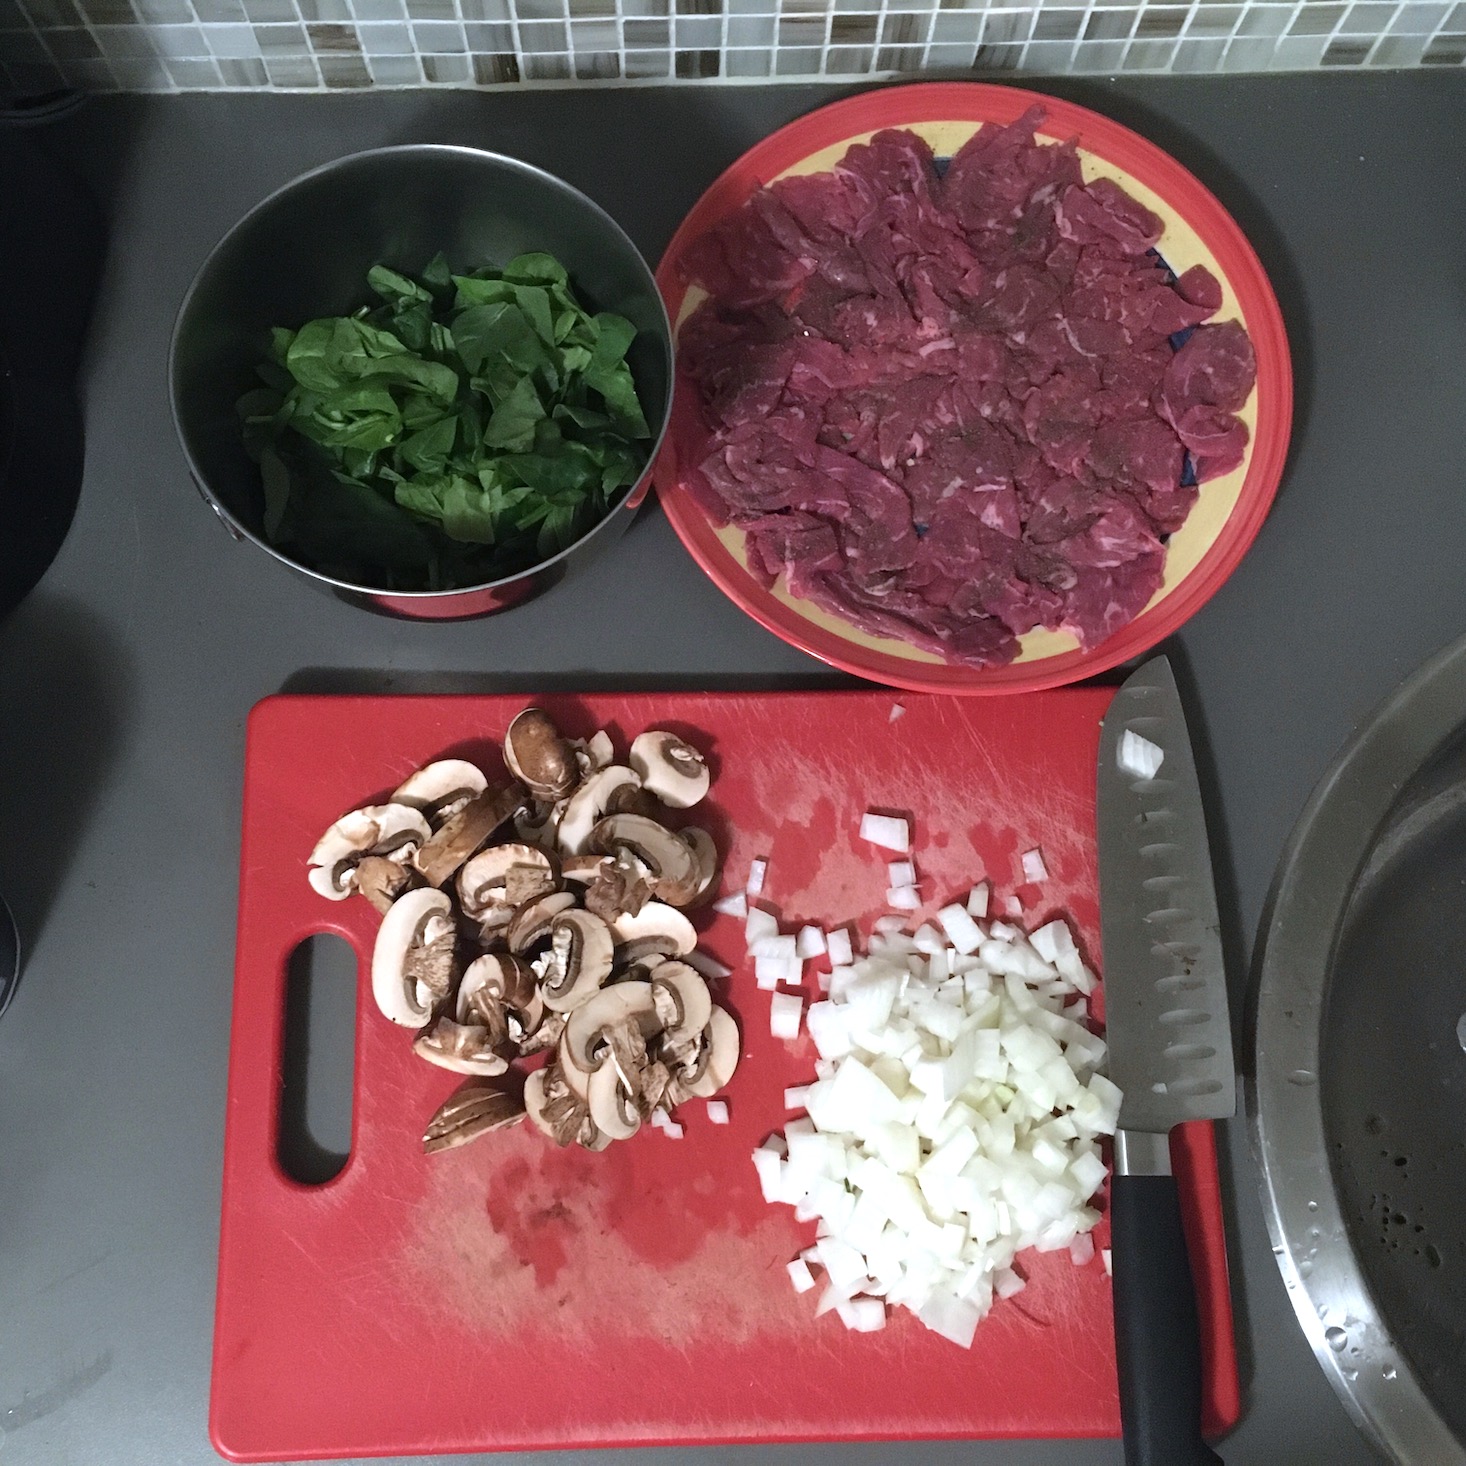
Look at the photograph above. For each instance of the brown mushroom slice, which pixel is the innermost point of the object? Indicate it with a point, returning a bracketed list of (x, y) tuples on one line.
[(578, 962), (705, 858), (583, 869), (633, 799), (612, 1106), (560, 1112), (465, 1048), (382, 880), (614, 1023), (439, 790), (531, 923), (671, 870), (466, 832), (721, 1048), (496, 881), (469, 1112), (684, 1005), (539, 824), (662, 927), (545, 1035), (535, 1100), (587, 807), (378, 829), (671, 768), (539, 757), (591, 1136), (620, 887), (414, 956), (502, 993)]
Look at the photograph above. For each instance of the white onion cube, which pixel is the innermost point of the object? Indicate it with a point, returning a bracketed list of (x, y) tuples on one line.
[(1139, 756), (1034, 869), (903, 898), (758, 871), (890, 832), (800, 1275), (900, 873), (962, 931), (839, 946), (785, 1011), (734, 905), (810, 942), (718, 1112)]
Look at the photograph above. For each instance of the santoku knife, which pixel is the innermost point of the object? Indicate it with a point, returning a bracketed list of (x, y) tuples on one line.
[(1170, 1043)]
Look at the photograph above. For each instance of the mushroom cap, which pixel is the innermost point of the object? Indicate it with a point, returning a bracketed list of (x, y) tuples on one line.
[(414, 921), (483, 879), (670, 767), (441, 789), (680, 988), (723, 1046), (377, 829), (466, 832), (611, 1106), (539, 757), (587, 805), (656, 920), (581, 952)]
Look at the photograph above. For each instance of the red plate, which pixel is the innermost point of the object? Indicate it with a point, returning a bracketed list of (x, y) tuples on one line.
[(1230, 510)]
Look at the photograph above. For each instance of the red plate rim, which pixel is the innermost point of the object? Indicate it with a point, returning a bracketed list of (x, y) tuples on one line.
[(903, 106)]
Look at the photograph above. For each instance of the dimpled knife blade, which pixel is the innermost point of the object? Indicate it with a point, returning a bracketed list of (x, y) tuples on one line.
[(1166, 1014)]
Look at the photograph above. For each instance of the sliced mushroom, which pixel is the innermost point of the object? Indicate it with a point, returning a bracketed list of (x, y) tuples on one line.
[(497, 881), (684, 1005), (414, 957), (535, 1100), (579, 959), (545, 1036), (659, 927), (613, 1026), (587, 806), (439, 790), (705, 857), (598, 751), (553, 1106), (671, 768), (382, 880), (582, 869), (590, 1136), (530, 925), (465, 1048), (539, 824), (501, 993), (721, 1049), (379, 829), (620, 887), (466, 832), (539, 757), (467, 1113), (633, 799), (613, 1107), (671, 870)]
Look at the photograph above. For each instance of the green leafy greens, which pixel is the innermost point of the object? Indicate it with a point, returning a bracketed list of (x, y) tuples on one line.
[(464, 428)]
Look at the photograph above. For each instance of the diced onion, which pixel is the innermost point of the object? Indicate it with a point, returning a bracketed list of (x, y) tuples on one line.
[(1012, 906), (977, 900), (903, 898), (839, 947), (757, 870), (954, 1122), (889, 831), (1034, 868), (810, 942), (901, 873), (897, 711), (785, 1010), (759, 924), (1139, 756), (800, 1275), (718, 1112), (734, 905)]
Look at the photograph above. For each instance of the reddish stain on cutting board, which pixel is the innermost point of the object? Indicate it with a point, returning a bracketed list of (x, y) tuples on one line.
[(654, 1274)]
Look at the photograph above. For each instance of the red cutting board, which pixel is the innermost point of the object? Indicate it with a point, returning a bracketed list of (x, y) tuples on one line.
[(509, 1295)]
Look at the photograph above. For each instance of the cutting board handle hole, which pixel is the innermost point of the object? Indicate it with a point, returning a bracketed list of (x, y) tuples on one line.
[(318, 1060)]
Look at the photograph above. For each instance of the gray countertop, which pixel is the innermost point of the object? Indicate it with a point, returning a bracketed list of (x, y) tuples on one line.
[(127, 676)]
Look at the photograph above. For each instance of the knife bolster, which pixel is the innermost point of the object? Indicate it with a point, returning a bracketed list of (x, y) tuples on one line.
[(1139, 1153)]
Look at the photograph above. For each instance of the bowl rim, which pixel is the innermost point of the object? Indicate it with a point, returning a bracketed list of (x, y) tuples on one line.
[(921, 103), (630, 498)]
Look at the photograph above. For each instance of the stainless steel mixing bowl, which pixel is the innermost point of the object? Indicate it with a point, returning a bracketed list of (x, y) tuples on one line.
[(305, 252)]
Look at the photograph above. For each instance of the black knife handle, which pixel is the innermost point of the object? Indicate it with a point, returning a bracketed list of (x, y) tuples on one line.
[(1157, 1335)]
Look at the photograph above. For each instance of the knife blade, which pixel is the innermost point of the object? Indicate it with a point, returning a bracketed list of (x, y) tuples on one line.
[(1170, 1041)]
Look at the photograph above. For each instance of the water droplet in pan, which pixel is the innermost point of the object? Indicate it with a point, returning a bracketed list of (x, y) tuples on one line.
[(1336, 1338), (1390, 1372), (1302, 1077)]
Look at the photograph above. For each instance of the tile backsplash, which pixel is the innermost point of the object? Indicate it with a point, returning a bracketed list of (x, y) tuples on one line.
[(309, 45)]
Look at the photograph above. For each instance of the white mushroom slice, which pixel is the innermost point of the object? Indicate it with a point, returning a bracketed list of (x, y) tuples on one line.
[(539, 824), (578, 962), (465, 1048), (380, 829), (412, 962), (595, 752), (670, 768), (611, 1027), (668, 862), (722, 1046), (583, 869), (682, 1001), (501, 994), (611, 1105), (587, 806), (705, 857), (497, 881), (539, 757), (659, 922), (439, 790)]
